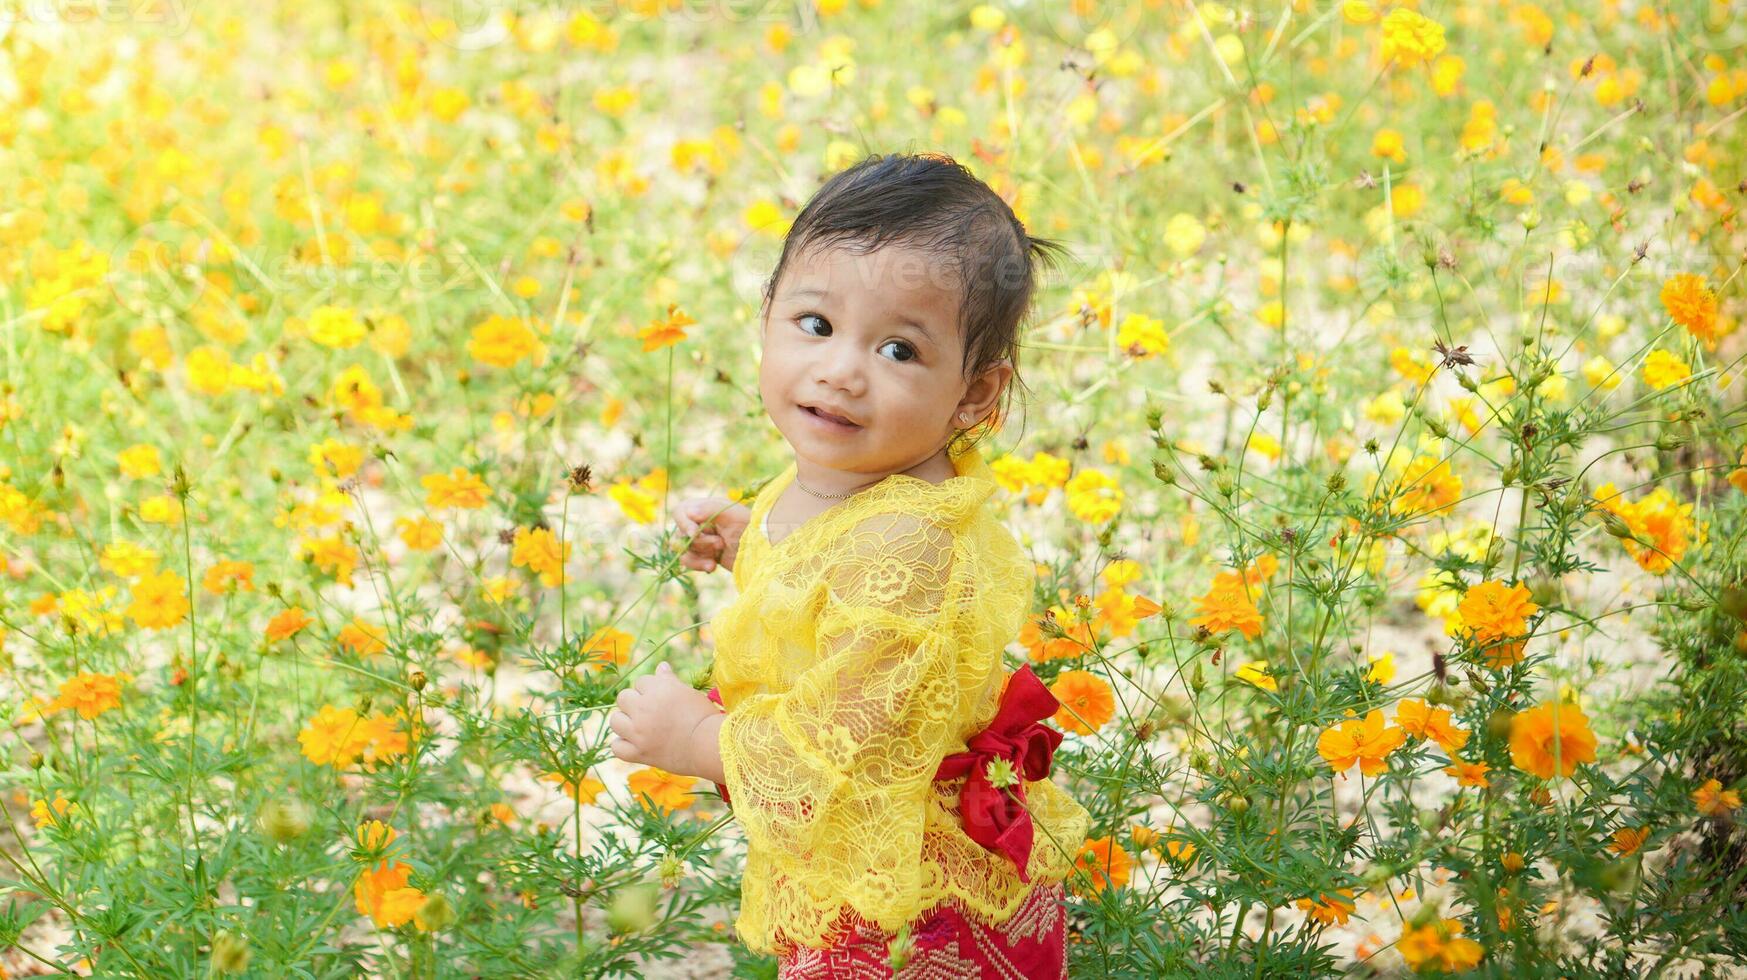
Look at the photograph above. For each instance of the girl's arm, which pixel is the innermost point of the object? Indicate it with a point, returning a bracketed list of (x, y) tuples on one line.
[(707, 748)]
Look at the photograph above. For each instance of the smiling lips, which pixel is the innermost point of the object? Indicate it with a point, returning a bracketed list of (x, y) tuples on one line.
[(828, 417)]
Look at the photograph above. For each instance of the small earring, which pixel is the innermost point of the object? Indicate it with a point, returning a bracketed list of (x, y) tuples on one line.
[(964, 417)]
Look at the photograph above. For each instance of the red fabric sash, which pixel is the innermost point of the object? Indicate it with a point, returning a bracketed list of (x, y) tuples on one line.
[(996, 817)]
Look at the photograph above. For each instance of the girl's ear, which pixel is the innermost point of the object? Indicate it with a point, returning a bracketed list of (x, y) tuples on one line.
[(986, 390)]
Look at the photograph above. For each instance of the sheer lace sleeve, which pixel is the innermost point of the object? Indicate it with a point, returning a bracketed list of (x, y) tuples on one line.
[(830, 778)]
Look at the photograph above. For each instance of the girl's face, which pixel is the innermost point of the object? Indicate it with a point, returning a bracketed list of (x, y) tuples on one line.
[(874, 339)]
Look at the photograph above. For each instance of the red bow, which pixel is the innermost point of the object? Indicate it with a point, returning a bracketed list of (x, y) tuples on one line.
[(996, 817)]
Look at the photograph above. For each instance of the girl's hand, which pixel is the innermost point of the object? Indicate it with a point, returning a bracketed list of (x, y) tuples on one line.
[(656, 721), (714, 525)]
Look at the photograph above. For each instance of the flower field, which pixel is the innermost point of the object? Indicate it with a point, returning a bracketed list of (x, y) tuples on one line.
[(1382, 453)]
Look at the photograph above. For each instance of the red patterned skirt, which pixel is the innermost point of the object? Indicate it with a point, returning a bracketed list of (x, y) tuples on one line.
[(948, 945)]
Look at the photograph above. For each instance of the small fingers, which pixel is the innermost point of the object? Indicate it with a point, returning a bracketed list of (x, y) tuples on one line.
[(620, 723)]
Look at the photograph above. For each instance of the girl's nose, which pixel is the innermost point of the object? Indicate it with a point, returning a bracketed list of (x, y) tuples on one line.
[(840, 368)]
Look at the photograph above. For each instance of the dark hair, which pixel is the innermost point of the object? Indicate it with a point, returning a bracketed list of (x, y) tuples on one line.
[(931, 202)]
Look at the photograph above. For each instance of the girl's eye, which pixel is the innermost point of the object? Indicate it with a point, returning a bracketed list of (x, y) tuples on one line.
[(903, 347), (910, 351), (814, 316)]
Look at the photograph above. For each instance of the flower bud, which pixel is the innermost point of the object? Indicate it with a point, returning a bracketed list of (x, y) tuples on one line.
[(632, 908), (36, 760), (1237, 803), (230, 953), (670, 870), (1162, 471), (1544, 590), (1377, 874), (1498, 723), (284, 820), (1669, 442), (436, 914), (1614, 525), (417, 680), (900, 948), (1732, 599)]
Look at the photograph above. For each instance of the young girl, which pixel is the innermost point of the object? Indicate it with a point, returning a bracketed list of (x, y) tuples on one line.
[(887, 772)]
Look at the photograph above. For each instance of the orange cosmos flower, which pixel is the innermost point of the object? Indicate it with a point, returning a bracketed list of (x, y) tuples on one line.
[(665, 332), (504, 342), (1424, 721), (608, 646), (363, 639), (1041, 644), (229, 576), (539, 551), (1661, 526), (1693, 305), (419, 533), (1627, 840), (1256, 672), (1469, 773), (1494, 615), (1664, 370), (87, 693), (160, 601), (458, 488), (1088, 703), (1713, 800), (286, 624), (1410, 38), (1551, 738), (45, 813), (329, 737), (374, 838), (582, 791), (1105, 862), (1428, 486), (1366, 742), (1227, 606), (668, 791), (1330, 910), (1438, 946), (382, 894)]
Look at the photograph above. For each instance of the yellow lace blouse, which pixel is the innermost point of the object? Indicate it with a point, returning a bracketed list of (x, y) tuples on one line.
[(863, 648)]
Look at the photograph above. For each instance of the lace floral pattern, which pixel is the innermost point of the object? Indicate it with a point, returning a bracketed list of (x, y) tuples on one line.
[(863, 648)]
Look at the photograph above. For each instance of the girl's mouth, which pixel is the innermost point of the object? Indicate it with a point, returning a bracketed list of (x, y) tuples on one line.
[(831, 421)]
